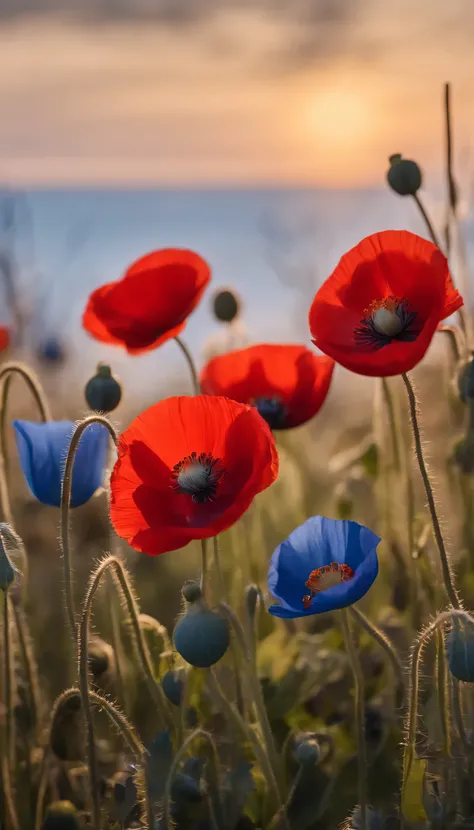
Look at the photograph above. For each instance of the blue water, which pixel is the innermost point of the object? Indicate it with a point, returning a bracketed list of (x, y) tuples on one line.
[(273, 246)]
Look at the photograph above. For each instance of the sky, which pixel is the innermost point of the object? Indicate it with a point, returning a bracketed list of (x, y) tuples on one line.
[(229, 92)]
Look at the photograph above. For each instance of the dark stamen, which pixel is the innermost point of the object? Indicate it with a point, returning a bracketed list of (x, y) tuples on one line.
[(367, 334), (198, 476), (272, 411)]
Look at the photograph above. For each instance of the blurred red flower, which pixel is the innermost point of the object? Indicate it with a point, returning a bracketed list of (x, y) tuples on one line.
[(4, 338), (287, 383), (150, 304), (377, 312), (188, 468)]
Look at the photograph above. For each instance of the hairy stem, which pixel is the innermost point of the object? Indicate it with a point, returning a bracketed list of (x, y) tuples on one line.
[(427, 221), (191, 365), (198, 733), (65, 505), (30, 667), (446, 570)]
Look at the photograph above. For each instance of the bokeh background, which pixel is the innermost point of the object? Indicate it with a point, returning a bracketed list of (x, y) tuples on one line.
[(256, 132)]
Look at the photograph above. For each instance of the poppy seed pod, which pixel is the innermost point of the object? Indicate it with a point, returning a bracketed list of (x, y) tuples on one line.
[(201, 637), (226, 306), (172, 686), (404, 175), (103, 391), (308, 753), (61, 815), (460, 651)]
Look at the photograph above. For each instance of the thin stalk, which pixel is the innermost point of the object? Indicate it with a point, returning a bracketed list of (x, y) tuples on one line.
[(155, 689), (8, 685), (65, 505), (248, 734), (384, 642), (10, 808), (204, 569), (444, 710), (191, 365), (445, 567), (83, 659), (30, 667), (42, 789), (427, 221), (116, 641), (256, 693), (198, 733), (412, 713), (359, 712)]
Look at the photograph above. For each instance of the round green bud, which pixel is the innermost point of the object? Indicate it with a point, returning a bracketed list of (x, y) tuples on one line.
[(226, 306), (404, 175), (308, 753), (191, 591), (201, 637), (460, 651), (103, 391)]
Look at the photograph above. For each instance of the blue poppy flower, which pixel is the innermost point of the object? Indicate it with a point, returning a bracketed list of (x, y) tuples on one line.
[(325, 564), (43, 449)]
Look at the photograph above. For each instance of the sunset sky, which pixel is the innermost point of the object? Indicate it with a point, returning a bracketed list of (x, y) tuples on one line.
[(238, 92)]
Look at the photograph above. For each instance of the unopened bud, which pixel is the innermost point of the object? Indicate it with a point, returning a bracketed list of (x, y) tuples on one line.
[(226, 306), (404, 175), (201, 637), (103, 391)]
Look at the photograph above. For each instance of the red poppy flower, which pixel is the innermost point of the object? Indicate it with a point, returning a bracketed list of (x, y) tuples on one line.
[(188, 468), (150, 304), (377, 312), (4, 338), (287, 384)]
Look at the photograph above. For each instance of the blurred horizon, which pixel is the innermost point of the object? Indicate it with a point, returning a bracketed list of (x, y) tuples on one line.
[(145, 93)]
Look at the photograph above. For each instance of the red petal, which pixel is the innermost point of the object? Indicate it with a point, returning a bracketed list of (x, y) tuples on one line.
[(292, 373), (151, 303), (395, 263), (142, 505), (4, 338)]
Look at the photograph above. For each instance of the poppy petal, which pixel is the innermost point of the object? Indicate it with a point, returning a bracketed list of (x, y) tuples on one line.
[(291, 374), (390, 264), (43, 449), (151, 303), (147, 510)]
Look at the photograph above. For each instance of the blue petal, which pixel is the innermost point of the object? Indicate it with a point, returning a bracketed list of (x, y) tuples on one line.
[(318, 542), (43, 449)]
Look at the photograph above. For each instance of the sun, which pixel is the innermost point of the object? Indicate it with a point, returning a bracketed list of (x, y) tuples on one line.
[(340, 117)]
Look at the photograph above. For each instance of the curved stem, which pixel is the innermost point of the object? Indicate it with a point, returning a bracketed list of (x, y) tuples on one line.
[(65, 502), (191, 364), (384, 642), (359, 711), (145, 660), (166, 819), (29, 663), (412, 714), (427, 221), (42, 789), (446, 570)]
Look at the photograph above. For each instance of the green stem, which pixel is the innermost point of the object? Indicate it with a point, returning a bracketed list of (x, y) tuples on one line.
[(412, 713), (30, 667), (191, 364), (8, 684), (117, 642), (198, 733), (359, 712), (384, 642), (427, 221), (204, 569), (256, 694), (65, 505), (87, 709), (444, 711), (446, 570), (248, 734), (155, 689), (6, 373)]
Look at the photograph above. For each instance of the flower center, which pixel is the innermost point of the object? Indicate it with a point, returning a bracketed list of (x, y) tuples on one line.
[(326, 577), (272, 411), (386, 320), (197, 476)]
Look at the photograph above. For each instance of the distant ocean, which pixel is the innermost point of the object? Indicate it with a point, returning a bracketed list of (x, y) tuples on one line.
[(273, 246)]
